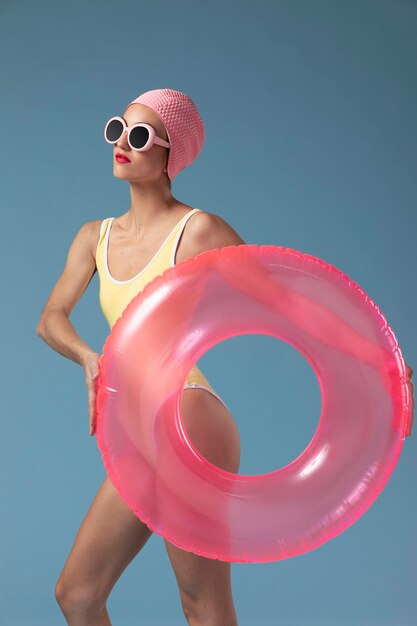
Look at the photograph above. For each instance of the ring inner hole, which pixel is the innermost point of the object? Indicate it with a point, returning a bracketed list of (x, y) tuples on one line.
[(274, 398)]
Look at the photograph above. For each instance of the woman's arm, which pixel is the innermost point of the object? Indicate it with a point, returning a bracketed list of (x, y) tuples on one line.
[(54, 326), (257, 282)]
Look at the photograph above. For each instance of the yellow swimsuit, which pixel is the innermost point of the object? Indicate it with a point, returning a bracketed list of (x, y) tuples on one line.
[(115, 295)]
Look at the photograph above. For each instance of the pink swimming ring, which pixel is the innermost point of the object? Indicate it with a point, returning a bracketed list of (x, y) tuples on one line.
[(166, 328)]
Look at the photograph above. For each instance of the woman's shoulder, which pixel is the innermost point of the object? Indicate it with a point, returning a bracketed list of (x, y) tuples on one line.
[(207, 231), (211, 224), (92, 231)]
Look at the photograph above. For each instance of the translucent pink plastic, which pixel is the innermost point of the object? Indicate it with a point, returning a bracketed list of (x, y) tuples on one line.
[(270, 290)]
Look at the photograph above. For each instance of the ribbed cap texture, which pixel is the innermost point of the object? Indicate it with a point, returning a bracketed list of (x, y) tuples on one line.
[(183, 123)]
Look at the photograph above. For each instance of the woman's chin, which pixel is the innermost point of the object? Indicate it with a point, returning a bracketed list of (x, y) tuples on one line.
[(123, 176)]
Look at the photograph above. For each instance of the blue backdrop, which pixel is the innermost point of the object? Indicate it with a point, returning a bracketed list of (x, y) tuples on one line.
[(309, 109)]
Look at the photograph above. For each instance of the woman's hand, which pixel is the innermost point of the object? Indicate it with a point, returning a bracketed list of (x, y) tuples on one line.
[(409, 373), (91, 370)]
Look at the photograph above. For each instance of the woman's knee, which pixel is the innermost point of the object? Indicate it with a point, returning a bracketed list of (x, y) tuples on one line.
[(74, 597), (205, 609)]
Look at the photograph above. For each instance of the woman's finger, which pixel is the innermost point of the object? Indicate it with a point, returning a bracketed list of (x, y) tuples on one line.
[(92, 384), (91, 369)]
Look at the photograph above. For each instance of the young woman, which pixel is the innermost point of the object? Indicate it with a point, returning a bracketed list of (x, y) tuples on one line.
[(160, 133)]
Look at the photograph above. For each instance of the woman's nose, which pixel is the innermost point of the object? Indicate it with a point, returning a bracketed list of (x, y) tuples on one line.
[(122, 142)]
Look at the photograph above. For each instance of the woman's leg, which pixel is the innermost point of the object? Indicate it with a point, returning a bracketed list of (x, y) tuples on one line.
[(205, 584), (109, 537)]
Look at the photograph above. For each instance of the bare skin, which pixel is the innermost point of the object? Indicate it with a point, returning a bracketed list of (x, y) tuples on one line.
[(110, 535)]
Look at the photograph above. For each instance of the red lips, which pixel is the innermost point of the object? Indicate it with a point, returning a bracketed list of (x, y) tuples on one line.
[(121, 158)]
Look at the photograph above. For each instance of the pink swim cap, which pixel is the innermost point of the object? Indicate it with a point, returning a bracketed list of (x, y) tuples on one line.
[(183, 124)]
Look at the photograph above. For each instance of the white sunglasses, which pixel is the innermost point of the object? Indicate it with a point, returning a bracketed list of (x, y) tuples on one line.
[(140, 137)]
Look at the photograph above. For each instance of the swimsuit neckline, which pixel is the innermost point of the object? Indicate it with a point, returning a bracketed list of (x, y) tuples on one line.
[(106, 252)]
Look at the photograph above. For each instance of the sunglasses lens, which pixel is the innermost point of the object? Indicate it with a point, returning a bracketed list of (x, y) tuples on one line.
[(139, 136), (114, 130)]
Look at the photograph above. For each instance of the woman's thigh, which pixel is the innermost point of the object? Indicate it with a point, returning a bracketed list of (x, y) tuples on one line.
[(213, 431), (211, 428), (109, 537)]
